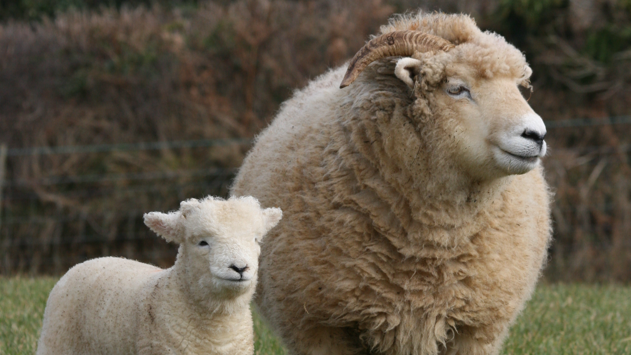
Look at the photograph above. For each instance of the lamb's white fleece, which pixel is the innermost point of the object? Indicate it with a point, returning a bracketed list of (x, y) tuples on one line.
[(198, 306)]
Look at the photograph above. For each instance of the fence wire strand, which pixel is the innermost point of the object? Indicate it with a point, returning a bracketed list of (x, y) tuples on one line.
[(56, 230)]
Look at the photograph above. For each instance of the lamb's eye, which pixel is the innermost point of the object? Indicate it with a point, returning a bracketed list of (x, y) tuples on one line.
[(203, 243)]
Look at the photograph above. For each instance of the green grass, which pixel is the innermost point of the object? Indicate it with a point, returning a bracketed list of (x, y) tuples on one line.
[(560, 319), (22, 302), (265, 343), (574, 319)]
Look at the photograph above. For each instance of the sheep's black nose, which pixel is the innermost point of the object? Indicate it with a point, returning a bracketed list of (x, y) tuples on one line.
[(240, 270), (534, 136)]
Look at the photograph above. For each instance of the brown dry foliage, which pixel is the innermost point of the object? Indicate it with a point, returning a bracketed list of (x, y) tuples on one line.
[(146, 75), (221, 71)]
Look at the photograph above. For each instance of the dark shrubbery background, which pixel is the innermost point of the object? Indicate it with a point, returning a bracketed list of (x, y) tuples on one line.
[(196, 81)]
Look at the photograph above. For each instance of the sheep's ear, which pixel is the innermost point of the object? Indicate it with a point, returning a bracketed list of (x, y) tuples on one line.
[(271, 217), (406, 70), (165, 225), (188, 206)]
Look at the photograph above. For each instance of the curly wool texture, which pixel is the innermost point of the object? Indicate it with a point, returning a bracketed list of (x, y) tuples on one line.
[(118, 306), (389, 246), (487, 51)]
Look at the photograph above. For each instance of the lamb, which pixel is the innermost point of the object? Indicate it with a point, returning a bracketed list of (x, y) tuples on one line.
[(199, 306), (416, 211)]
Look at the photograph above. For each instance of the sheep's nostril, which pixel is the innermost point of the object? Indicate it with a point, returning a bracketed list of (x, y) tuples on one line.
[(240, 270), (534, 136)]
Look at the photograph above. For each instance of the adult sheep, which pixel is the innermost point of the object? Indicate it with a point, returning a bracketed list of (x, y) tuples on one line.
[(417, 215), (201, 305)]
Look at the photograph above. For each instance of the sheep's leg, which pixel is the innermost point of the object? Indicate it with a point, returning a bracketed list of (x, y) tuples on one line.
[(477, 341), (322, 340), (156, 348)]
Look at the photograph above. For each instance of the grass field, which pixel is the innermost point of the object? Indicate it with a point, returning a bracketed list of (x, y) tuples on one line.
[(560, 319)]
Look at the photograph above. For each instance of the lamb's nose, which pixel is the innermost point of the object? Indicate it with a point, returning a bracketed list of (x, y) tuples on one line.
[(534, 136), (240, 270)]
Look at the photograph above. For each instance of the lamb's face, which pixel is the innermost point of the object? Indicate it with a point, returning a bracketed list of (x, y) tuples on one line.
[(230, 253), (222, 242), (219, 241), (496, 132)]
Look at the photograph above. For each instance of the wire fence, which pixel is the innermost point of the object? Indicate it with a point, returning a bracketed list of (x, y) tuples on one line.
[(50, 222), (588, 122), (125, 147), (204, 143)]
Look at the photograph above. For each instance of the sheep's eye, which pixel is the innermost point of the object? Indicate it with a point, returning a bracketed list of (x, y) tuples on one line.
[(203, 243), (458, 90)]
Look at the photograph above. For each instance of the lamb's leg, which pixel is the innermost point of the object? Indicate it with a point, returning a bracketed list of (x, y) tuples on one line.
[(323, 340)]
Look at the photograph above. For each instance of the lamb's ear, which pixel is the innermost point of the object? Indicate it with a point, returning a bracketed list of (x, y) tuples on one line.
[(165, 225), (271, 217), (407, 69)]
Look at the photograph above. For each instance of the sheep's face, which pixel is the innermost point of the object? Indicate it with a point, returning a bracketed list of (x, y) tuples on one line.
[(498, 133), (493, 129), (220, 242)]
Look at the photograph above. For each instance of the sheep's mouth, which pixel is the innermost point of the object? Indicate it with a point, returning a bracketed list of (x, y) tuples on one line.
[(524, 158), (236, 281), (515, 163)]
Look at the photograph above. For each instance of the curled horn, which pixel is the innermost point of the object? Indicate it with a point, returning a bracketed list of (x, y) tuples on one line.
[(397, 43)]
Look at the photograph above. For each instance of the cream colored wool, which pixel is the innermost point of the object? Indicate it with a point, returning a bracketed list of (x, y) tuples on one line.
[(407, 229), (199, 306)]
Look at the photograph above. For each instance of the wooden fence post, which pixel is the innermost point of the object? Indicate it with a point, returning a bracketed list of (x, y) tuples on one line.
[(4, 263), (3, 163)]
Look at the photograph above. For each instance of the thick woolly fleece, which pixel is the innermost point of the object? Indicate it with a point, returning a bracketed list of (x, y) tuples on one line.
[(389, 245), (119, 306)]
